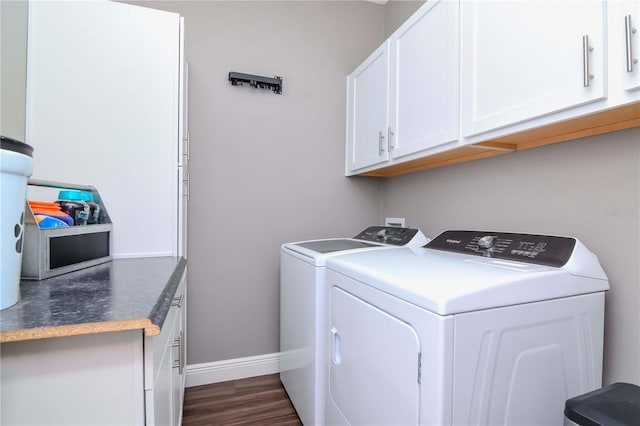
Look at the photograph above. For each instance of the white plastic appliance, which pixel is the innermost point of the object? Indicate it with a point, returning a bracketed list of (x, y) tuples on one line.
[(476, 328), (303, 310)]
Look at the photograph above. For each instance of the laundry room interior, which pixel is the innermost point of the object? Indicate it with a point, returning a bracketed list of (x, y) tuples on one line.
[(272, 167), (267, 169)]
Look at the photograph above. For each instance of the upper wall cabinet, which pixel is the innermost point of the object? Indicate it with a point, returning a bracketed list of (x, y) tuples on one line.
[(403, 99), (522, 60), (530, 74), (529, 67), (368, 111)]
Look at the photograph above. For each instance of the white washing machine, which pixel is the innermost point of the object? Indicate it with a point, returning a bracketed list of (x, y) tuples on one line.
[(476, 328), (303, 310)]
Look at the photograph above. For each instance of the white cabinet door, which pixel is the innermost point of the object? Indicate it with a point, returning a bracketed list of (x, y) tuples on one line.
[(628, 37), (159, 361), (526, 59), (424, 79), (165, 361), (92, 379), (179, 346), (163, 407), (102, 109), (368, 112)]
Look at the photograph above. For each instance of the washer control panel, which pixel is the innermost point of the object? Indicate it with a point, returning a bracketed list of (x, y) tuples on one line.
[(539, 249), (388, 235)]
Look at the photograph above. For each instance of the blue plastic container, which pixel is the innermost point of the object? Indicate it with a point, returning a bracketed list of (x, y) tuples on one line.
[(72, 202)]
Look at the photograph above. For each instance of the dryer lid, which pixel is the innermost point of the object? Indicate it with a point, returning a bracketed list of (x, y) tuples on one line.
[(447, 282)]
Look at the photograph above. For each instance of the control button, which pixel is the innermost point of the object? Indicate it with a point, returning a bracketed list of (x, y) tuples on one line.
[(487, 241), (381, 233)]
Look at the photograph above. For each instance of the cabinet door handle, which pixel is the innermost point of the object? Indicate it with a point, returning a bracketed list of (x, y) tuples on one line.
[(628, 31), (177, 301), (179, 343), (188, 147), (187, 183), (380, 143), (389, 137), (586, 49)]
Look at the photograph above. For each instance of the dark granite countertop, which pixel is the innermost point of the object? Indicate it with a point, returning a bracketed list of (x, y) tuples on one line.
[(124, 294)]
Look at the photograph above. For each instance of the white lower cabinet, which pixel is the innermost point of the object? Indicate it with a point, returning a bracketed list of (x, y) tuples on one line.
[(164, 365), (93, 379), (115, 378)]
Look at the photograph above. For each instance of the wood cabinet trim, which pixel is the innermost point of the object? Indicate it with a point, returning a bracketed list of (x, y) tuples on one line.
[(608, 121)]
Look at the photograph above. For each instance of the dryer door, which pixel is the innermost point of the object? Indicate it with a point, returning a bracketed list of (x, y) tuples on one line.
[(374, 364)]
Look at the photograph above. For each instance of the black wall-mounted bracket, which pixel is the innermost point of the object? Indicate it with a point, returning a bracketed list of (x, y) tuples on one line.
[(238, 78)]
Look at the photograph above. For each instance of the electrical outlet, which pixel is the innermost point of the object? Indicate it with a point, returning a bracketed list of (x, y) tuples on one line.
[(394, 221)]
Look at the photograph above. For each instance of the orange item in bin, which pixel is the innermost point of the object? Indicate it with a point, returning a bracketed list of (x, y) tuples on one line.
[(50, 209)]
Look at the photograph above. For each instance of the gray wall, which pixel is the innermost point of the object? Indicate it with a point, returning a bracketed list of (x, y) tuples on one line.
[(396, 12), (588, 188), (13, 68), (266, 168)]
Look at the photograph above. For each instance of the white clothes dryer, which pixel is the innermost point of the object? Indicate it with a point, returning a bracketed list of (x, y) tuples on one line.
[(303, 310), (476, 328)]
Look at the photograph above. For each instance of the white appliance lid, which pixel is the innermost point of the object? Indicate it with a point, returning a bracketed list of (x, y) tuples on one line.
[(330, 246), (447, 282), (372, 237)]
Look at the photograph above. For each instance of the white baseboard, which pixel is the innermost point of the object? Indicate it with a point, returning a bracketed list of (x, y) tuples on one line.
[(232, 369)]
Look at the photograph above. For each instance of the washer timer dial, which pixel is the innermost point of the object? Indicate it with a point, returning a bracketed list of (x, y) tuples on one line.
[(487, 241)]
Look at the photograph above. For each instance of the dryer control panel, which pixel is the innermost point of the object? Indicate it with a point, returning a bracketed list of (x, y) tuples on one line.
[(539, 249), (389, 235)]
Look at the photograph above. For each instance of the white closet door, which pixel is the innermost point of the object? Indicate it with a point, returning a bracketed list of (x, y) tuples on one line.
[(373, 378), (102, 109)]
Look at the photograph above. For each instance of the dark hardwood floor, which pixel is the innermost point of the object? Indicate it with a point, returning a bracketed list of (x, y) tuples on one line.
[(254, 401)]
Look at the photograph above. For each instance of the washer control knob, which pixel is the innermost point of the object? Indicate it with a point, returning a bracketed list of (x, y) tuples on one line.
[(487, 241), (381, 234)]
